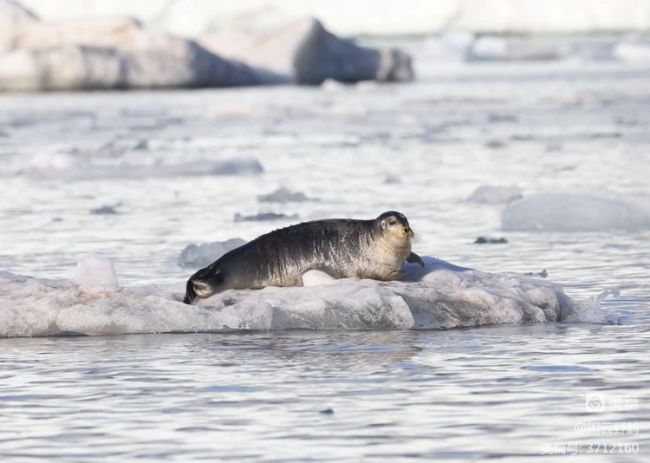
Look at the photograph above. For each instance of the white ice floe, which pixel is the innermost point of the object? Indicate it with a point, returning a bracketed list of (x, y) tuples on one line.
[(489, 194), (637, 52), (201, 255), (493, 48), (67, 166), (439, 296), (571, 212)]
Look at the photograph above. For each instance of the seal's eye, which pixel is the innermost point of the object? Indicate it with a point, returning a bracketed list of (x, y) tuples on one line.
[(392, 222)]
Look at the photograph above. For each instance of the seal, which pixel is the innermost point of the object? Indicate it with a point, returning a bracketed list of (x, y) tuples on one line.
[(342, 248)]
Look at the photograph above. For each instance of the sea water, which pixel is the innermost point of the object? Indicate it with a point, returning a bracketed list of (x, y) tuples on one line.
[(104, 191)]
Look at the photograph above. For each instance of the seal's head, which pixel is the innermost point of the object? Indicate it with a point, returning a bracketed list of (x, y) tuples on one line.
[(204, 283), (395, 227)]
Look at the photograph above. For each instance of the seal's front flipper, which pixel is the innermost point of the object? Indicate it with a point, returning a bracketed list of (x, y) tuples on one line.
[(395, 276), (413, 258)]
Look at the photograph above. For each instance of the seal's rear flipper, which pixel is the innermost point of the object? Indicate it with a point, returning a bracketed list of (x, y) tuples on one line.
[(413, 258)]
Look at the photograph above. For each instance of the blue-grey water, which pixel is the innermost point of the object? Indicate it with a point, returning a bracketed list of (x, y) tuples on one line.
[(569, 391)]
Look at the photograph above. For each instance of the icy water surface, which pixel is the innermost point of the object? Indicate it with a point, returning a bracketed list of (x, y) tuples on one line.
[(513, 393), (136, 177)]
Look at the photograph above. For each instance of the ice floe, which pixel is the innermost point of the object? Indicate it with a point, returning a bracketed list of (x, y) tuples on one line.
[(638, 52), (573, 212), (438, 296)]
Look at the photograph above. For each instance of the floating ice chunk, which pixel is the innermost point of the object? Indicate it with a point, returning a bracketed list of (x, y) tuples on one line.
[(105, 210), (334, 86), (491, 48), (283, 195), (489, 194), (392, 179), (570, 212), (95, 274), (438, 296), (316, 278), (48, 161), (633, 52), (448, 46), (489, 240), (201, 255)]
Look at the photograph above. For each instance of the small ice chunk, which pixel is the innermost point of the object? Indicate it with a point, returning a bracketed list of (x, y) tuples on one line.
[(316, 278), (494, 144), (331, 85), (392, 179), (633, 52), (104, 210), (283, 195), (204, 254), (493, 48), (489, 240), (237, 167), (490, 194), (142, 145), (46, 161), (95, 274)]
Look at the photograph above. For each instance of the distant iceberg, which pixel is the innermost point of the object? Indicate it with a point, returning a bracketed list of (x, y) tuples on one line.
[(439, 296), (117, 51)]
